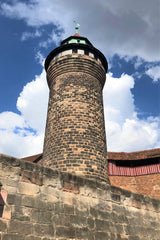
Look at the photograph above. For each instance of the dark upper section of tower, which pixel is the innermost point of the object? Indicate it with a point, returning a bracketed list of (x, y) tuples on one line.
[(76, 44)]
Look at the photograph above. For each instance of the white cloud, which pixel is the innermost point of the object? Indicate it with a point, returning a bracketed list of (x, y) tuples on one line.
[(18, 145), (53, 37), (138, 63), (10, 120), (154, 73), (120, 26), (125, 131), (118, 99), (26, 35), (23, 134), (40, 58), (134, 135), (32, 102)]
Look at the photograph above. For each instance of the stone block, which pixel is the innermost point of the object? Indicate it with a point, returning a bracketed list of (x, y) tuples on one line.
[(14, 199), (52, 193), (21, 213), (80, 51), (59, 208), (11, 199), (134, 238), (84, 233), (40, 216), (105, 215), (10, 236), (31, 237), (101, 235), (3, 225), (32, 177), (28, 189), (20, 227), (102, 225), (64, 53), (90, 223), (43, 230), (78, 221), (61, 220), (64, 232), (70, 187), (68, 209), (29, 202), (6, 212), (93, 212)]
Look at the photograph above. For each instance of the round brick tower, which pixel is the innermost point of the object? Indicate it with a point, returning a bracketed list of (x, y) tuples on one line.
[(75, 139)]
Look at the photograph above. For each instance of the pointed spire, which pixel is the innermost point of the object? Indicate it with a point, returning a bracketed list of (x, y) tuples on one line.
[(76, 28)]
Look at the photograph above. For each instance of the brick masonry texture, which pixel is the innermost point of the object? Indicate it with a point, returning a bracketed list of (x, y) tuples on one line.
[(75, 139), (44, 204), (148, 184)]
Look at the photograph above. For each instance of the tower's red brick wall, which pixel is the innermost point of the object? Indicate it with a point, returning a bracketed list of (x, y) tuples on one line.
[(147, 185), (75, 134)]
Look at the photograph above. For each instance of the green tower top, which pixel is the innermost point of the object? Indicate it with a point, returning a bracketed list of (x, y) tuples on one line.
[(76, 39)]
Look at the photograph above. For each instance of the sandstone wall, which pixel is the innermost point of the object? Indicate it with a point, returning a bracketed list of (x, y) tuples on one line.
[(43, 204)]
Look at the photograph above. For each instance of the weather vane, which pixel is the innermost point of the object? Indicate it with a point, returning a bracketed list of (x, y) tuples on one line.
[(77, 26)]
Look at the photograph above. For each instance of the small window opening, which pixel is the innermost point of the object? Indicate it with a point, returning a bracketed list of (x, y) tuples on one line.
[(86, 52), (74, 50), (95, 56)]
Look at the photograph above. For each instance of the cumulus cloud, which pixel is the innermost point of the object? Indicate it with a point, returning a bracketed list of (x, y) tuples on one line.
[(20, 145), (154, 73), (125, 131), (15, 121), (118, 99), (23, 134), (123, 27), (32, 100)]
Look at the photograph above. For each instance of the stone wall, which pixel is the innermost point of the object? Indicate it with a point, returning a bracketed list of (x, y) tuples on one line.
[(44, 204), (147, 184)]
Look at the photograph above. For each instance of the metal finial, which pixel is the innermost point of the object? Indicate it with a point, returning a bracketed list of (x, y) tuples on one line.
[(77, 26)]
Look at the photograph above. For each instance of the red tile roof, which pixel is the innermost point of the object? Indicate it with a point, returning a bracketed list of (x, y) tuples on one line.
[(33, 158), (147, 154)]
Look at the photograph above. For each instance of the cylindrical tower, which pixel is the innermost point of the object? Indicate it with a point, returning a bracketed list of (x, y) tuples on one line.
[(75, 139)]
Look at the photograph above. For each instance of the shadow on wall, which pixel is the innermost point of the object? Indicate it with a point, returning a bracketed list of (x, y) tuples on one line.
[(2, 203)]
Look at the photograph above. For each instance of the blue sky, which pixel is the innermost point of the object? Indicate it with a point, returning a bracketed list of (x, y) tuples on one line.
[(127, 32)]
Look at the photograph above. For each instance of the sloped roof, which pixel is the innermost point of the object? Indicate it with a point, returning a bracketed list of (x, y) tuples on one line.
[(140, 155), (34, 158)]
